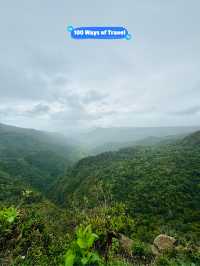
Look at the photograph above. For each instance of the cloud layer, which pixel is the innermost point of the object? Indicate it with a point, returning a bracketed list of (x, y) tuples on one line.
[(51, 82)]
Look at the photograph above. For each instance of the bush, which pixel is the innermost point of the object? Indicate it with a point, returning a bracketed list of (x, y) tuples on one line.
[(141, 250), (81, 251), (163, 261), (7, 217)]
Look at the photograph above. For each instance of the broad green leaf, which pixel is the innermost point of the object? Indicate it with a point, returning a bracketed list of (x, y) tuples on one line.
[(69, 258)]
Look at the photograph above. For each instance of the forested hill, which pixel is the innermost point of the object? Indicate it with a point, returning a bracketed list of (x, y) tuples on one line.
[(192, 140), (104, 210), (159, 184), (34, 157)]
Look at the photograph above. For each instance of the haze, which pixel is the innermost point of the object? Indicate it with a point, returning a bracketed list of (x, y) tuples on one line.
[(50, 82)]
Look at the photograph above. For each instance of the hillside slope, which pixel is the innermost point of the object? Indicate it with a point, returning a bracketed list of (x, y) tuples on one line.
[(34, 157), (133, 195), (33, 230), (160, 185)]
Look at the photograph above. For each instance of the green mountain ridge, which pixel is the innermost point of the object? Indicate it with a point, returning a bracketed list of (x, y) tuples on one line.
[(35, 157), (148, 141), (99, 137)]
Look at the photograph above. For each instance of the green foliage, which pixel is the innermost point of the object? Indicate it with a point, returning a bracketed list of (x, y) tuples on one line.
[(30, 196), (85, 237), (110, 219), (8, 215), (163, 261), (35, 158), (145, 179), (81, 252), (137, 193), (28, 237), (115, 247), (7, 218), (141, 249), (184, 257)]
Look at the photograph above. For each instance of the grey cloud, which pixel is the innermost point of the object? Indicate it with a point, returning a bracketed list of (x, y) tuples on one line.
[(16, 84), (74, 99), (93, 96), (194, 110), (60, 80), (78, 117), (39, 109), (74, 116), (4, 112), (48, 61), (84, 82), (34, 110), (75, 109)]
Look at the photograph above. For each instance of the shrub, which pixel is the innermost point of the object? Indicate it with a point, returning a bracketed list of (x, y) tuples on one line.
[(81, 250), (141, 250), (7, 217), (163, 261)]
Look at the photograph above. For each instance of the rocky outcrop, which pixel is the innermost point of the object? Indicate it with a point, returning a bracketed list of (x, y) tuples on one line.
[(126, 243), (163, 243)]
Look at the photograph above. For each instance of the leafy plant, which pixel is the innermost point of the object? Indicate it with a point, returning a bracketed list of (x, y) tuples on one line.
[(8, 215), (141, 249), (81, 251)]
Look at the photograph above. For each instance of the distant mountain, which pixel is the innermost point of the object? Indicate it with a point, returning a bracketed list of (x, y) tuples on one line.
[(22, 139), (112, 139), (193, 139), (34, 157), (149, 141)]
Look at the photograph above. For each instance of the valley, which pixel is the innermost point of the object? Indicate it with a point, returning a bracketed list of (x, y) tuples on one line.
[(55, 196)]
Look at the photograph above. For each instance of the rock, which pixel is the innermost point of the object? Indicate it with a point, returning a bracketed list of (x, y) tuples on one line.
[(155, 250), (162, 243), (126, 243)]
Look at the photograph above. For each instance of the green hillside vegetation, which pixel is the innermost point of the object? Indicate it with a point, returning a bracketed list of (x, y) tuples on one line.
[(159, 186), (145, 178), (35, 232), (102, 210), (35, 157)]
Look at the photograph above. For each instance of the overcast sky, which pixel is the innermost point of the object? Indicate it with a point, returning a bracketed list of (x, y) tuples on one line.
[(51, 82)]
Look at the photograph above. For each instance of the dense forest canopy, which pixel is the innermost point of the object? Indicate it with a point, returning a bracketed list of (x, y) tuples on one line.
[(51, 198)]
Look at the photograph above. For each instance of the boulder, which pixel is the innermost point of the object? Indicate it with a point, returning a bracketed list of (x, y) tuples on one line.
[(162, 243), (126, 243), (154, 250)]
